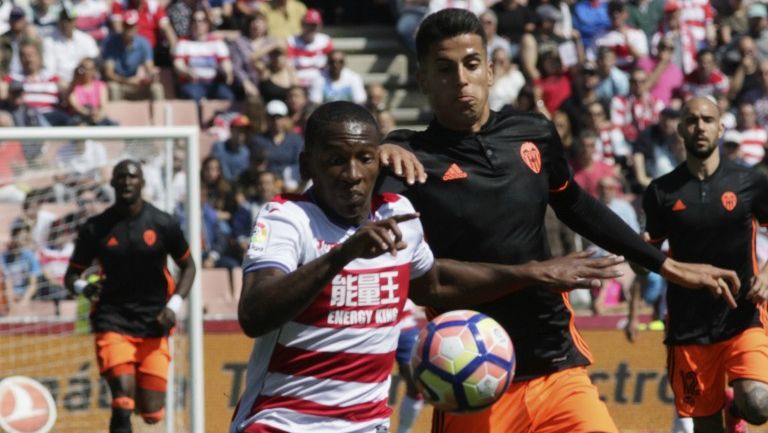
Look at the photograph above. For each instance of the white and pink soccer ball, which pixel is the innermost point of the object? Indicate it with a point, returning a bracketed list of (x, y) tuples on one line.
[(463, 361)]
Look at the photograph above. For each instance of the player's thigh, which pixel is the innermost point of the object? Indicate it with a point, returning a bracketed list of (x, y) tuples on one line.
[(507, 415), (152, 374), (113, 349), (751, 397), (708, 424), (746, 356), (697, 377), (569, 403)]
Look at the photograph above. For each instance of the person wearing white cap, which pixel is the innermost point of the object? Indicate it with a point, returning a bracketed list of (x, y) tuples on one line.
[(281, 146)]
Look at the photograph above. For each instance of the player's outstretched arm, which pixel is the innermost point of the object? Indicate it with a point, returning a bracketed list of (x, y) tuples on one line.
[(271, 297), (451, 283), (720, 282), (402, 162), (758, 290)]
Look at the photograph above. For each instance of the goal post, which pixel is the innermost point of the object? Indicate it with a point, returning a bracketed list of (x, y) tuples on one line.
[(165, 136)]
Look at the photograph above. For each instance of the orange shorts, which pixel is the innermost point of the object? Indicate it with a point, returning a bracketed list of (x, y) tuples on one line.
[(562, 402), (698, 371), (150, 355)]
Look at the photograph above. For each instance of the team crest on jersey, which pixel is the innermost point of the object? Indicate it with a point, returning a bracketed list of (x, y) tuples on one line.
[(531, 156), (729, 200), (150, 237)]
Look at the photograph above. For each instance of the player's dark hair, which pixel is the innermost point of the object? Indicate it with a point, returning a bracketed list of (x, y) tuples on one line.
[(127, 162), (334, 113), (446, 24)]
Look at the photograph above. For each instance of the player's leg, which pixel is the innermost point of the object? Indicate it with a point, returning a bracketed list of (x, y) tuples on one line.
[(116, 355), (751, 400), (412, 402), (151, 378), (508, 415), (697, 376), (709, 424)]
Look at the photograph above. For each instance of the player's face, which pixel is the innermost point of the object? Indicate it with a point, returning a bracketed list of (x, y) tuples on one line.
[(700, 127), (344, 168), (128, 181), (455, 75)]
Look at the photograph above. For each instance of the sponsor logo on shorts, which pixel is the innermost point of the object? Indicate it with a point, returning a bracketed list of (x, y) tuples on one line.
[(26, 406), (531, 156)]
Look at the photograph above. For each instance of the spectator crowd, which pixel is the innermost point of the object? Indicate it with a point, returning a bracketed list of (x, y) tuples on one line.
[(611, 75)]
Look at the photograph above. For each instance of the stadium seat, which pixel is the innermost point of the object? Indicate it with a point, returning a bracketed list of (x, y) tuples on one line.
[(217, 293), (182, 112), (129, 113)]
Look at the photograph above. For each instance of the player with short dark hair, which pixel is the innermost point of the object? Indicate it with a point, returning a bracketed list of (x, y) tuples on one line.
[(326, 277), (490, 178), (136, 302), (709, 210)]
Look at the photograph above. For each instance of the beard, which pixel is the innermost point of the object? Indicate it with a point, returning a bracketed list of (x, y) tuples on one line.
[(701, 154)]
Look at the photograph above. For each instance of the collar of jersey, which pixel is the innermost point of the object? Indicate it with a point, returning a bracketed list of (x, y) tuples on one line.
[(439, 129), (335, 221)]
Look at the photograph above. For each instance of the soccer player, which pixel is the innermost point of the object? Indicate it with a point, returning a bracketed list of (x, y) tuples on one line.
[(327, 274), (490, 178), (136, 302), (709, 210)]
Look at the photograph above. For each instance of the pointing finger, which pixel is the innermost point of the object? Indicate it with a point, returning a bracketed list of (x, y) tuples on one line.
[(405, 217), (725, 292)]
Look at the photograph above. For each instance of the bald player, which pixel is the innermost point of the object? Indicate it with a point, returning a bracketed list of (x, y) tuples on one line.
[(709, 210)]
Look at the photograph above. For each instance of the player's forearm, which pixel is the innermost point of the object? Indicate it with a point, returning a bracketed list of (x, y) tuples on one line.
[(456, 284), (186, 278), (593, 220), (271, 298)]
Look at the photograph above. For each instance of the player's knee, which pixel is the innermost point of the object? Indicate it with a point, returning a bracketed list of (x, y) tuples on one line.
[(153, 417), (755, 406), (126, 403)]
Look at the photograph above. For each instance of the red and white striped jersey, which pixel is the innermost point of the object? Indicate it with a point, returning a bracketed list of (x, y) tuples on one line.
[(309, 59), (202, 57), (696, 15), (693, 85), (327, 370), (631, 111), (623, 46), (610, 144), (41, 91), (91, 17), (753, 143)]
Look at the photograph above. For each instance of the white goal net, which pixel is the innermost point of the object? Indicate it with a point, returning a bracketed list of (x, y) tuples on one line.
[(51, 180)]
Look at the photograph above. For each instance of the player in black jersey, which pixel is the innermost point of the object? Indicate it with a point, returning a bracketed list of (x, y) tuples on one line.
[(709, 210), (490, 178), (136, 302)]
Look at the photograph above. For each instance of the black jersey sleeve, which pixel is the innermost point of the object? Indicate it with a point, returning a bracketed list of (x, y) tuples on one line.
[(761, 198), (558, 169), (85, 247), (178, 248), (593, 220), (651, 209), (387, 181)]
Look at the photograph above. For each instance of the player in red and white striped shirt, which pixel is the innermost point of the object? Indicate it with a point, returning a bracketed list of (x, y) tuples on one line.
[(698, 17), (326, 277), (309, 50), (754, 138), (638, 110)]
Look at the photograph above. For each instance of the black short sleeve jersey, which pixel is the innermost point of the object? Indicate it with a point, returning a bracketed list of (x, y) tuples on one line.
[(709, 221), (133, 254), (484, 201)]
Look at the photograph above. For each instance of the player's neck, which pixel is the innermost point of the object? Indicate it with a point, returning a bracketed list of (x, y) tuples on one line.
[(130, 209), (472, 126), (703, 168)]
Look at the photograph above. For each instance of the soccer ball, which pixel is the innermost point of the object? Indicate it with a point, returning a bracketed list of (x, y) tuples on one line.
[(463, 361)]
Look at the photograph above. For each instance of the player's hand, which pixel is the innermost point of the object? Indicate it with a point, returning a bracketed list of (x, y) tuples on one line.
[(402, 162), (577, 271), (376, 238), (167, 319), (758, 290), (631, 329), (720, 282), (92, 291)]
